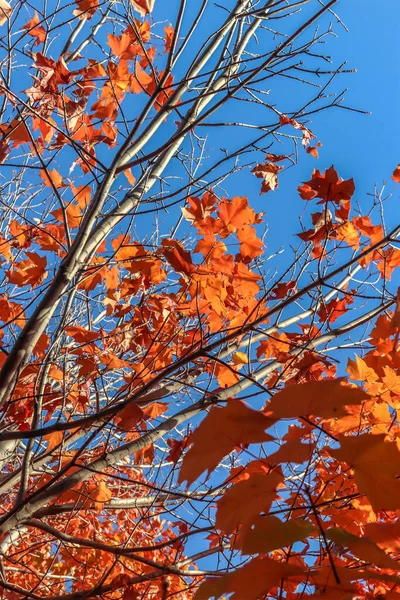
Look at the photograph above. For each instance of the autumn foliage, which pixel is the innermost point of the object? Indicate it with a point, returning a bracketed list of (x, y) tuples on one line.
[(184, 413)]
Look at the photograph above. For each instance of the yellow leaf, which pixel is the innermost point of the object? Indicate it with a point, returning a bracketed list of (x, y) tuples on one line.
[(240, 358)]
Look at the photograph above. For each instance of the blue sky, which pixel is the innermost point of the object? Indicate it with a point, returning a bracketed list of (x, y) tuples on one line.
[(365, 147)]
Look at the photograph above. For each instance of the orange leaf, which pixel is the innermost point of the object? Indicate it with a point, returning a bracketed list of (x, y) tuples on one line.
[(385, 535), (234, 214), (52, 178), (334, 309), (38, 32), (199, 209), (391, 260), (313, 150), (376, 465), (270, 533), (130, 416), (242, 503), (396, 174), (144, 7), (72, 213), (226, 376), (53, 439), (362, 548), (128, 174), (293, 451), (86, 8), (250, 245), (154, 410), (80, 334), (349, 234), (169, 34), (250, 582), (28, 272), (360, 371), (326, 398), (222, 430), (100, 495), (141, 80), (396, 316)]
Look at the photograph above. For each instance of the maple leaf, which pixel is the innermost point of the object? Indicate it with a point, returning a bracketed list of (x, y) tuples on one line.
[(252, 581), (99, 496), (323, 226), (250, 245), (268, 173), (141, 80), (220, 432), (242, 503), (234, 214), (326, 398), (376, 465), (81, 335), (307, 135), (177, 257), (270, 533), (31, 271), (177, 449), (144, 7), (327, 186), (364, 225), (360, 371), (281, 290), (240, 358), (396, 174), (72, 213), (362, 548), (391, 380), (292, 451), (5, 11), (334, 309), (53, 440), (313, 150), (128, 174), (86, 8), (169, 34), (130, 416), (16, 131), (226, 375), (38, 32), (52, 178), (385, 535), (199, 209), (389, 261), (348, 233)]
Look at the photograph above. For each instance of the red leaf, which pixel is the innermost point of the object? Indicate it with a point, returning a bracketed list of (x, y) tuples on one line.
[(177, 257), (396, 174), (328, 186), (38, 32), (144, 7)]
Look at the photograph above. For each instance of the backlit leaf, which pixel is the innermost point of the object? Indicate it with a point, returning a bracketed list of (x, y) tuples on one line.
[(222, 430), (327, 398)]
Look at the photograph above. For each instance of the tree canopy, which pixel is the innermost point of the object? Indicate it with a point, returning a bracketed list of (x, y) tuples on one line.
[(185, 412)]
